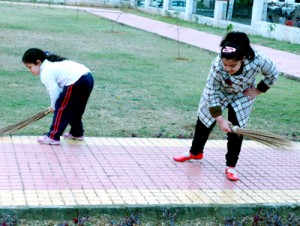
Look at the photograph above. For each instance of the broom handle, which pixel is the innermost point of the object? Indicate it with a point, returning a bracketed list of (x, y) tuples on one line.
[(234, 128), (26, 122), (50, 110)]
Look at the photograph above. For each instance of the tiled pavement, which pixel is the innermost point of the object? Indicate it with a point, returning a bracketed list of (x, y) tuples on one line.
[(141, 172)]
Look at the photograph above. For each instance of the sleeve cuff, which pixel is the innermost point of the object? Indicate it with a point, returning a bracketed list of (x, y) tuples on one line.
[(215, 111), (262, 87)]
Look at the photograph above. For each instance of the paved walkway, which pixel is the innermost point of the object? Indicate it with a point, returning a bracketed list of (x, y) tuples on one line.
[(288, 63), (140, 172)]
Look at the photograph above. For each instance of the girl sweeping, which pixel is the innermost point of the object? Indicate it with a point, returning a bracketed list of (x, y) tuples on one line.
[(230, 84), (69, 85)]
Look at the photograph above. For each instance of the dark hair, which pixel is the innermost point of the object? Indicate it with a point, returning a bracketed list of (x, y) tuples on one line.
[(34, 54), (236, 46)]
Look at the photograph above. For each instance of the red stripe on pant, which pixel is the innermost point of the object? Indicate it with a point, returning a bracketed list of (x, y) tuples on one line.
[(60, 111)]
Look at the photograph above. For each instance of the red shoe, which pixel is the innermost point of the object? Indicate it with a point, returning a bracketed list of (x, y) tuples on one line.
[(231, 174), (187, 156)]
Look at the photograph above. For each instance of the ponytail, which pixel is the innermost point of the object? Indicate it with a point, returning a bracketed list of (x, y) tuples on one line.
[(34, 54), (236, 45), (53, 57)]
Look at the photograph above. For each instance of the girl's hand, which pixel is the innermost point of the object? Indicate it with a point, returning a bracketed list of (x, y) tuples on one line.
[(224, 124), (51, 109), (252, 92)]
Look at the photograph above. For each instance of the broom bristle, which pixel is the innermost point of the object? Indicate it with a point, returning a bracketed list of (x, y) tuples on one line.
[(263, 137), (12, 128)]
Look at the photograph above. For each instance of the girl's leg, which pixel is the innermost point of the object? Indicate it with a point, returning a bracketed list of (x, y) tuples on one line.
[(84, 86), (235, 141), (200, 137), (70, 107), (62, 113)]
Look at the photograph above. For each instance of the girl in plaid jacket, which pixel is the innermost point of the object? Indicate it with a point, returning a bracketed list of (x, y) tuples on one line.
[(230, 84)]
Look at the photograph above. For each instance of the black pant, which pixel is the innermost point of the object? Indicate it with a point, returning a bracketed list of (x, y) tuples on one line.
[(70, 107), (234, 143)]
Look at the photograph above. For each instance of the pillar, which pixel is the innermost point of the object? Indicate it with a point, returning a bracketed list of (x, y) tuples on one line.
[(147, 3), (189, 9), (230, 9), (166, 5), (218, 12), (257, 11)]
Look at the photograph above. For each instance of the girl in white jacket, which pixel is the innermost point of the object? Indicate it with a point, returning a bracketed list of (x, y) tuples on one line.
[(69, 85)]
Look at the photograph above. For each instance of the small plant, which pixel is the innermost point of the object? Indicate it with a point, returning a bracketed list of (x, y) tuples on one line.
[(178, 26), (81, 221), (116, 20), (229, 28), (77, 221), (8, 220), (272, 27), (264, 218), (63, 224), (133, 220), (168, 14), (169, 216)]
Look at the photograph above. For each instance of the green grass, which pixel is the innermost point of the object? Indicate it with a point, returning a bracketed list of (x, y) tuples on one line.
[(140, 86)]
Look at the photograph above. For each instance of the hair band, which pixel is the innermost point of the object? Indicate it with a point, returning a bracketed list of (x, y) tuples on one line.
[(47, 53), (228, 49)]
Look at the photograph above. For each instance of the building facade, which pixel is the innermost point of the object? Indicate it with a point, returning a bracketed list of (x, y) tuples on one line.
[(259, 17)]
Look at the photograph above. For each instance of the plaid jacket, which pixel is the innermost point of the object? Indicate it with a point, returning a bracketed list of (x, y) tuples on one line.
[(222, 88)]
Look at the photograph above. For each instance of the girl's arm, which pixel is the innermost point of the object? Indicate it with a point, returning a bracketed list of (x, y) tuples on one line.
[(252, 92), (54, 93), (270, 72), (212, 93), (53, 89), (213, 87), (223, 124)]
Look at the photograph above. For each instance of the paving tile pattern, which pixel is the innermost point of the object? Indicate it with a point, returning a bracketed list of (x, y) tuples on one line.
[(140, 171)]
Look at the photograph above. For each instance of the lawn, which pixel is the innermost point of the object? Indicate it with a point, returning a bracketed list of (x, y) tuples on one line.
[(141, 89)]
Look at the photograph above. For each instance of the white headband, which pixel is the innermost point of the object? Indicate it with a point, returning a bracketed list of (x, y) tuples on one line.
[(228, 49)]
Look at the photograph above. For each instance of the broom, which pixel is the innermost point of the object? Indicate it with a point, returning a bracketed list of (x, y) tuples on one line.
[(263, 137), (12, 128)]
